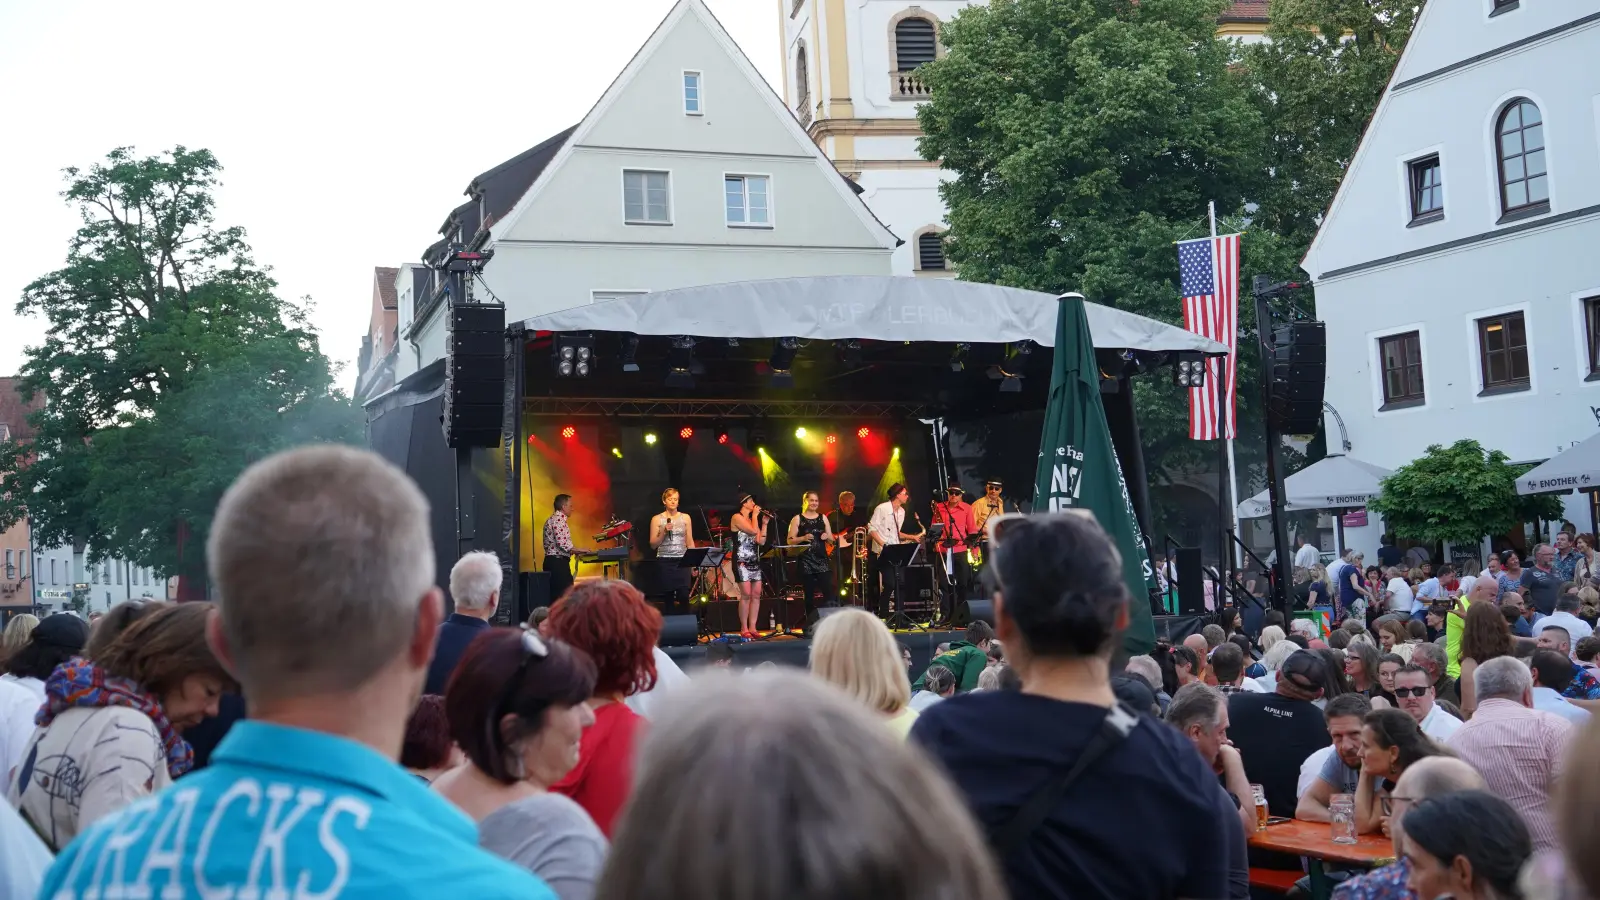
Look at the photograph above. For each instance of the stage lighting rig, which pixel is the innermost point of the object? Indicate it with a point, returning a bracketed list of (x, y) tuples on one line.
[(720, 429), (630, 353), (850, 352), (1010, 372), (958, 356), (680, 362), (1190, 371), (573, 354), (756, 434), (782, 361)]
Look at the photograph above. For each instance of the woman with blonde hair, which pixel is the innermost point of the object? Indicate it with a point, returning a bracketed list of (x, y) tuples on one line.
[(1270, 636), (16, 635), (795, 811), (855, 652)]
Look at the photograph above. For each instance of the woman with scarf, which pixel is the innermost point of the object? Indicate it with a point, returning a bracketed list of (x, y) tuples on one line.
[(109, 730)]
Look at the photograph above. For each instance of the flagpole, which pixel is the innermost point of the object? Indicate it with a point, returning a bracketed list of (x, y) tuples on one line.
[(1223, 392)]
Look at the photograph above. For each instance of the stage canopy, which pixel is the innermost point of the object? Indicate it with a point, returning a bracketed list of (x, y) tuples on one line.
[(1333, 482), (1575, 468), (867, 308)]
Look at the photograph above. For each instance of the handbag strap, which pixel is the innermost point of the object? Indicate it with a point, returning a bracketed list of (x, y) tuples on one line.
[(1118, 723)]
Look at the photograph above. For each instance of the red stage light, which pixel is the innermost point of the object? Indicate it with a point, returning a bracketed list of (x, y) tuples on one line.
[(863, 432), (686, 432), (833, 439), (531, 439), (569, 432), (722, 438)]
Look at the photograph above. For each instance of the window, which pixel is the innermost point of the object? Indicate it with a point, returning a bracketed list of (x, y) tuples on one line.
[(53, 579), (802, 81), (1503, 6), (693, 102), (1401, 358), (1427, 190), (105, 573), (11, 566), (119, 572), (749, 200), (1503, 347), (915, 43), (930, 252), (1524, 184), (646, 197), (1591, 328)]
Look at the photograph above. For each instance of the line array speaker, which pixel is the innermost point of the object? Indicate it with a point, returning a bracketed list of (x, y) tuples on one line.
[(474, 381), (1191, 581), (1297, 377)]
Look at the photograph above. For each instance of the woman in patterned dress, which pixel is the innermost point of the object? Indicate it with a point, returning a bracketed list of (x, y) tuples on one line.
[(749, 534)]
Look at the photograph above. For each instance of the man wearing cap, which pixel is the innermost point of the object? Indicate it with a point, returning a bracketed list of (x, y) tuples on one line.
[(990, 504), (1275, 732), (955, 514)]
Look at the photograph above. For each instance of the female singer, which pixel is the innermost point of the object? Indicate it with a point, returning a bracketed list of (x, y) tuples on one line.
[(811, 527), (750, 534), (671, 536)]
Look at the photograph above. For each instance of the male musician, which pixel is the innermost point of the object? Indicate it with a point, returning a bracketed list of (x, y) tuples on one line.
[(989, 504), (887, 528), (671, 534), (959, 524), (558, 549), (843, 522)]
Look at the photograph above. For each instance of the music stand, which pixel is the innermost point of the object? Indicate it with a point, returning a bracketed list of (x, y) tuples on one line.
[(899, 556), (704, 561)]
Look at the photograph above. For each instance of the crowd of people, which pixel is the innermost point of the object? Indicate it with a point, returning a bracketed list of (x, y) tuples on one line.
[(391, 750)]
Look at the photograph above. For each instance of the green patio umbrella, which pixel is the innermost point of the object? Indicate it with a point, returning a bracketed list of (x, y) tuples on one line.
[(1078, 466)]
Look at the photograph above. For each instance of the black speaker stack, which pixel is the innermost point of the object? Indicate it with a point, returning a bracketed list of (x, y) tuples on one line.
[(1191, 581), (1298, 371), (474, 381)]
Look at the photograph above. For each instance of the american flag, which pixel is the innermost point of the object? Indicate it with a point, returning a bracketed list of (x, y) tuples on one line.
[(1209, 268)]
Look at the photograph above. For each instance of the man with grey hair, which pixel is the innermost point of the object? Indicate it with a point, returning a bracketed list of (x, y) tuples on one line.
[(1540, 584), (475, 582), (1520, 751), (1432, 657), (326, 615), (1200, 713), (1424, 779), (1148, 669)]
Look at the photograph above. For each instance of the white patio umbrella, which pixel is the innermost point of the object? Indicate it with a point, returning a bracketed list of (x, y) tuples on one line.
[(1333, 482), (1574, 469)]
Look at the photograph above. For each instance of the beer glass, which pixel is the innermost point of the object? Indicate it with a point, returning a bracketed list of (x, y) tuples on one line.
[(1260, 794), (1342, 818)]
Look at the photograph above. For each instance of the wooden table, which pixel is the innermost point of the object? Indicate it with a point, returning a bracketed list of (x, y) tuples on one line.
[(1314, 841)]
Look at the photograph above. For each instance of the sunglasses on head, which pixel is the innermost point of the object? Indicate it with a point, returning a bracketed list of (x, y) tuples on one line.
[(1411, 692), (533, 648)]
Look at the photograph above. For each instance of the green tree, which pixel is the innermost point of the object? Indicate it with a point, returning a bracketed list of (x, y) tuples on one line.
[(169, 364), (1320, 74), (1085, 138), (1458, 494)]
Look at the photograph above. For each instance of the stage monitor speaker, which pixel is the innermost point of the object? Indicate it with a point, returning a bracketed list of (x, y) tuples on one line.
[(474, 380), (1191, 582), (979, 611), (679, 631), (1297, 376), (533, 592)]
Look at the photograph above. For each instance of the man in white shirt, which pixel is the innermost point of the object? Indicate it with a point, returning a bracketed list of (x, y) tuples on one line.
[(1552, 672), (1576, 628), (1336, 568), (1413, 690), (887, 528), (1401, 598), (1306, 556), (1432, 591)]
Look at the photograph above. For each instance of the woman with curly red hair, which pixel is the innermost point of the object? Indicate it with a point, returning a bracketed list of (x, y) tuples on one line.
[(611, 622)]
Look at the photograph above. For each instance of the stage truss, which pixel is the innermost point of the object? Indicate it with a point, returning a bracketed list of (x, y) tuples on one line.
[(777, 409)]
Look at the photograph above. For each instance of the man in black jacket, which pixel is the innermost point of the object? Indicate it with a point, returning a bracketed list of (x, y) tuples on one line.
[(475, 588)]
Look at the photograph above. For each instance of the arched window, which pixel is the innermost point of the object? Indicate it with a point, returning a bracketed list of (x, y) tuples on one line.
[(1519, 136), (930, 252), (802, 82), (915, 42)]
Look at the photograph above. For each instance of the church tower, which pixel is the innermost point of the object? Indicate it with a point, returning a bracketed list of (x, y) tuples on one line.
[(850, 76)]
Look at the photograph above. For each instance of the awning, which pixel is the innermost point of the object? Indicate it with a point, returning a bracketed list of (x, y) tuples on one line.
[(1333, 482), (874, 308), (1577, 468)]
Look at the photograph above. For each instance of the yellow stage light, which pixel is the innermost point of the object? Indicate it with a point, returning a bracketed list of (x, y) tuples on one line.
[(650, 437), (617, 452), (800, 432)]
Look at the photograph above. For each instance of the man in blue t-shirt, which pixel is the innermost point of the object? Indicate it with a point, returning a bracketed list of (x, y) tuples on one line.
[(327, 617)]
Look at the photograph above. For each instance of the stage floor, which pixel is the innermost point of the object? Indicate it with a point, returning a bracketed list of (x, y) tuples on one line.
[(796, 651)]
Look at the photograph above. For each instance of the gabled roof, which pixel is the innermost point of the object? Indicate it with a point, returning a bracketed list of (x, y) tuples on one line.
[(846, 191), (384, 277), (1359, 156), (1247, 11), (501, 187)]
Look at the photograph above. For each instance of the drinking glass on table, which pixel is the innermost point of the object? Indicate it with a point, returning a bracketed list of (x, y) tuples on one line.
[(1342, 818), (1260, 794)]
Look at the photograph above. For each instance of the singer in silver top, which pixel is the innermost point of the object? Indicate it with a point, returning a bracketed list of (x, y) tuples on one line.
[(671, 534)]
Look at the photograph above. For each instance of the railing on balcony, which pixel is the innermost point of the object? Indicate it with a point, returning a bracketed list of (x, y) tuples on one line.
[(907, 86)]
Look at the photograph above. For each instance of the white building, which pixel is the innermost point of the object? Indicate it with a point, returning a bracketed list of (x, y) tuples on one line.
[(850, 76), (690, 170), (1458, 269), (109, 582)]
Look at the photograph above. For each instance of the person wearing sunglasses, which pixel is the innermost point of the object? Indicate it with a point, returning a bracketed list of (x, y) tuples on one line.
[(1413, 693), (1060, 606), (1431, 777), (517, 708)]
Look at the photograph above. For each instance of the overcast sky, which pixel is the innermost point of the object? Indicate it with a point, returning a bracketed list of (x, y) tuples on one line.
[(339, 125)]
